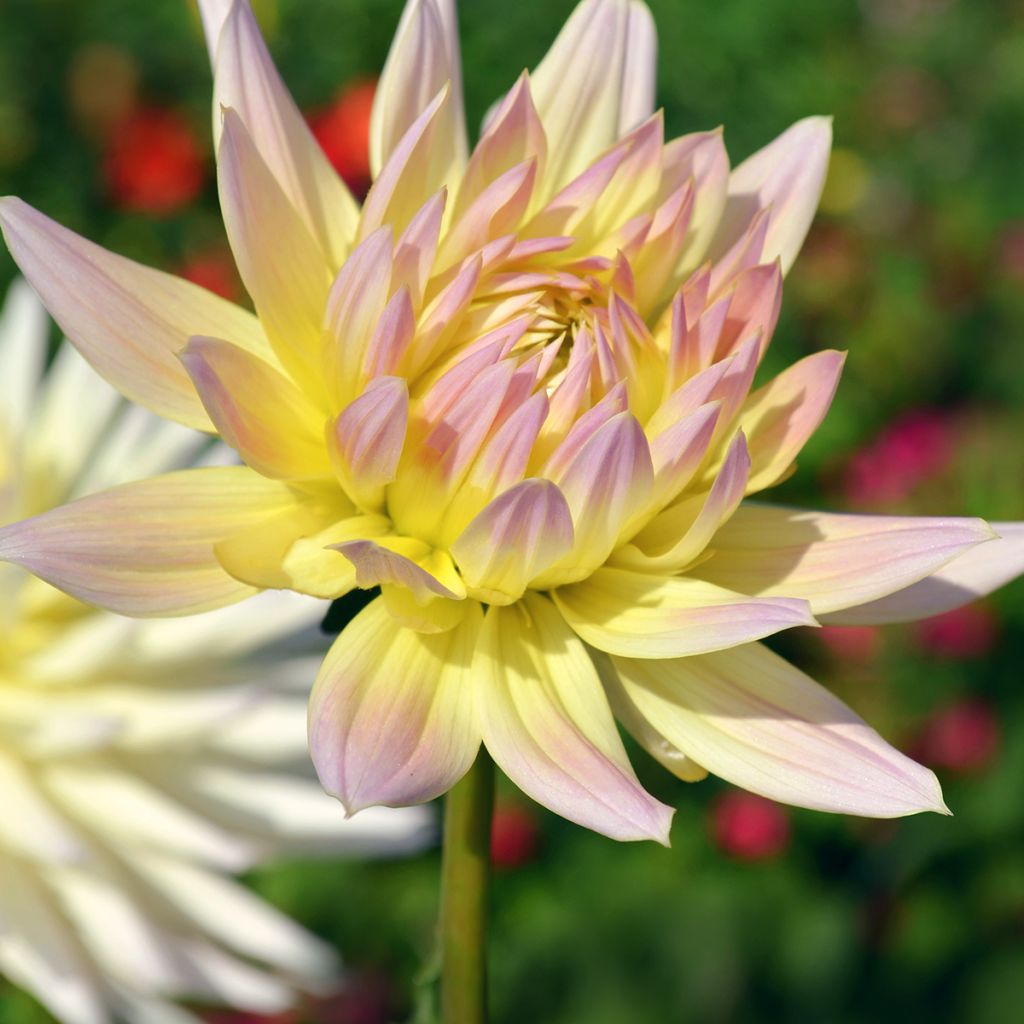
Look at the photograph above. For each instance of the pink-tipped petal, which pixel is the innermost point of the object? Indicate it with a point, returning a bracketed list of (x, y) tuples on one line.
[(391, 717), (424, 56), (643, 616), (354, 308), (969, 576), (419, 166), (257, 410), (417, 247), (678, 536), (786, 178), (514, 135), (779, 418), (367, 438), (834, 561), (546, 722), (514, 539), (405, 563), (753, 719), (702, 157), (605, 485), (127, 320), (246, 80), (146, 548)]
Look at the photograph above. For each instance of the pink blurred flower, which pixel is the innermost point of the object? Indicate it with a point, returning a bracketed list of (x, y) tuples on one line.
[(153, 163), (967, 632), (514, 836), (749, 827), (859, 644), (963, 737), (1011, 252), (343, 130), (916, 447)]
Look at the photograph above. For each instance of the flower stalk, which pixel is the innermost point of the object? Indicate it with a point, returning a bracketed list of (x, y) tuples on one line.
[(465, 875)]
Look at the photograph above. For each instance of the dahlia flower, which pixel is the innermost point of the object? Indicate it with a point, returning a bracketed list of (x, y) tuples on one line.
[(513, 391), (142, 762)]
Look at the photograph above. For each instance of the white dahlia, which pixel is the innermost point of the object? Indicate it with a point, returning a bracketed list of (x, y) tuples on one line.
[(142, 762)]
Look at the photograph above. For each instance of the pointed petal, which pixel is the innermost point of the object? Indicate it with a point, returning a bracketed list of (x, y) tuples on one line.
[(605, 485), (419, 166), (547, 724), (424, 57), (786, 177), (283, 268), (753, 719), (833, 561), (701, 156), (258, 411), (969, 576), (580, 87), (355, 305), (642, 616), (514, 539), (146, 548), (779, 418), (678, 536), (129, 321), (367, 439), (246, 80), (513, 135), (391, 716)]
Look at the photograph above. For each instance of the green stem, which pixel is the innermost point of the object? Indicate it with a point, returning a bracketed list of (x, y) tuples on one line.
[(465, 872)]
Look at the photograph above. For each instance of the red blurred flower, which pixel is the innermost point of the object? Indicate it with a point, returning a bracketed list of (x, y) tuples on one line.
[(859, 644), (749, 827), (214, 269), (153, 163), (343, 130), (1011, 252), (964, 737), (514, 836), (917, 446), (967, 632)]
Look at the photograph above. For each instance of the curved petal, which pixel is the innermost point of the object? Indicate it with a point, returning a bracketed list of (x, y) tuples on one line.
[(833, 561), (969, 576), (785, 178), (246, 80), (283, 268), (779, 418), (546, 722), (642, 616), (702, 157), (258, 411), (514, 539), (366, 440), (424, 56), (392, 717), (146, 548), (751, 718), (406, 563), (129, 321)]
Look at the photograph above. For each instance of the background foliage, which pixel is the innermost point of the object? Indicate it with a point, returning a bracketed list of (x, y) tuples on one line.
[(916, 265)]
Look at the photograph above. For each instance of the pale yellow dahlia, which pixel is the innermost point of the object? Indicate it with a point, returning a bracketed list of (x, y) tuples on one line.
[(143, 762), (514, 391)]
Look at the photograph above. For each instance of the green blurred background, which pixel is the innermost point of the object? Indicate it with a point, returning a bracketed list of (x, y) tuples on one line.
[(915, 265)]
